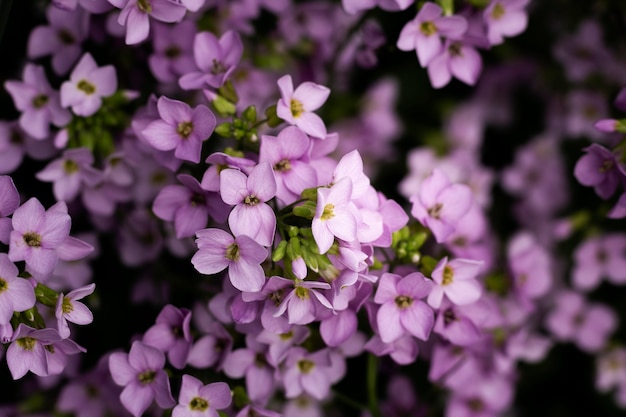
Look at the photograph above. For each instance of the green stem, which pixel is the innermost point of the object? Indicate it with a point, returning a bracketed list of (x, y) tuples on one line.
[(372, 394), (349, 401)]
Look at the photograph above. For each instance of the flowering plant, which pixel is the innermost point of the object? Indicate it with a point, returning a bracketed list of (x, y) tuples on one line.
[(268, 208)]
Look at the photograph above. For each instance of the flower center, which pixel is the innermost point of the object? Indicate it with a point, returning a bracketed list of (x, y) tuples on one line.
[(448, 275), (302, 293), (146, 377), (217, 68), (16, 137), (286, 336), (144, 6), (328, 212), (498, 11), (404, 301), (606, 166), (70, 167), (39, 101), (198, 404), (27, 343), (251, 200), (455, 49), (448, 316), (66, 37), (232, 252), (435, 211), (172, 52), (184, 129), (283, 166), (475, 404), (276, 297), (305, 366), (32, 239), (3, 285), (67, 306), (428, 28), (297, 108), (86, 87)]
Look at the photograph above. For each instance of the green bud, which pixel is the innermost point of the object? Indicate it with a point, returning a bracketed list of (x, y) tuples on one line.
[(228, 92), (272, 118), (240, 398), (310, 259), (249, 114), (224, 129), (295, 243), (306, 210), (46, 296), (223, 107), (427, 265), (279, 252), (620, 126), (309, 194), (447, 6), (293, 231)]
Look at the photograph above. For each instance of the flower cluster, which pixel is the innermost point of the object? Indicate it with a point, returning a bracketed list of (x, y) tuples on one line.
[(259, 244)]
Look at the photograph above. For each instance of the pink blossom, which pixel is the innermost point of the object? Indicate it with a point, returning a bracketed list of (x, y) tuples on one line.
[(402, 311), (296, 107), (218, 250), (87, 86), (334, 215), (456, 280), (141, 374), (251, 216)]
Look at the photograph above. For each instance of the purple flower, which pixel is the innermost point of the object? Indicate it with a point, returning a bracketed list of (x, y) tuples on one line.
[(16, 294), (187, 205), (334, 216), (28, 353), (439, 205), (87, 86), (196, 399), (251, 216), (402, 310), (9, 202), (70, 172), (252, 364), (589, 325), (600, 168), (141, 374), (307, 373), (136, 15), (288, 153), (41, 238), (423, 34), (458, 59), (505, 18), (216, 59), (69, 309), (305, 302), (456, 280), (598, 257), (38, 102), (218, 250), (180, 129), (296, 107), (171, 335), (61, 39), (173, 50)]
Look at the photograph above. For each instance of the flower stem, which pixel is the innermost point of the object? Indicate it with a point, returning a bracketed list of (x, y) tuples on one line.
[(372, 394)]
